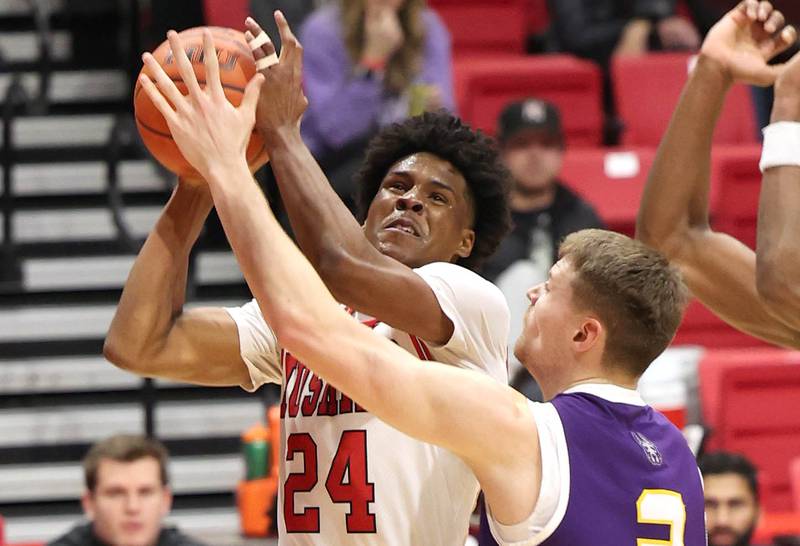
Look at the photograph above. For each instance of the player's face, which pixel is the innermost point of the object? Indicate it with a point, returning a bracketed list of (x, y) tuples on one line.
[(534, 159), (731, 510), (128, 503), (549, 323), (422, 213)]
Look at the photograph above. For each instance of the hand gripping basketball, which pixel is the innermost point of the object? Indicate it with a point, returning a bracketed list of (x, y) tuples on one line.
[(208, 130)]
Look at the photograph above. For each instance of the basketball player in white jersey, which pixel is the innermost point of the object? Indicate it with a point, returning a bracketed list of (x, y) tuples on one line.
[(756, 292), (437, 199), (594, 465)]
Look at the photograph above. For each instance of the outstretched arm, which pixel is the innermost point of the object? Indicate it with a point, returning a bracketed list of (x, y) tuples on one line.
[(487, 424), (778, 247), (673, 216), (354, 270)]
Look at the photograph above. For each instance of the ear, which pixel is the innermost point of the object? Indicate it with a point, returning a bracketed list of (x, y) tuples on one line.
[(589, 334), (87, 502), (167, 501), (466, 244)]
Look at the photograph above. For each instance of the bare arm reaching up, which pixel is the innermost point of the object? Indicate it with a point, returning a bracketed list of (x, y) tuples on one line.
[(673, 216), (495, 435)]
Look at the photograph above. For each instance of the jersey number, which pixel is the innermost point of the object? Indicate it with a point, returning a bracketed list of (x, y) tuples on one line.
[(347, 482), (662, 507)]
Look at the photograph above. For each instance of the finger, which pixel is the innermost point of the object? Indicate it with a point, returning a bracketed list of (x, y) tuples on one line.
[(263, 50), (751, 8), (158, 99), (184, 64), (212, 66), (775, 22), (164, 82), (764, 11), (251, 91), (289, 42)]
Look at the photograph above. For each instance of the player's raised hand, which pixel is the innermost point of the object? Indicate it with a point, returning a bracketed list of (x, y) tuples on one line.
[(281, 103), (746, 38), (209, 131)]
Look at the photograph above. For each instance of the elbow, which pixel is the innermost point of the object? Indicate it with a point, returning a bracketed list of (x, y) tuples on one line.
[(123, 354), (334, 265), (776, 279), (295, 332), (651, 235)]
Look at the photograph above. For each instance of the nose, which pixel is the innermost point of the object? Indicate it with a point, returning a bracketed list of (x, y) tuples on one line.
[(534, 293), (132, 503), (409, 201)]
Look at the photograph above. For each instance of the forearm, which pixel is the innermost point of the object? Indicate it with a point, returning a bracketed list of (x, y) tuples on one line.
[(778, 245), (322, 224), (155, 290), (675, 198)]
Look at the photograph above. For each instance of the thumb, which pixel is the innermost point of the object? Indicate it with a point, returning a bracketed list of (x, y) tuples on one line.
[(767, 74), (251, 91)]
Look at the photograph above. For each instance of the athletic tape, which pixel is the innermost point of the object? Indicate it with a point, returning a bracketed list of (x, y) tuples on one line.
[(781, 145), (266, 62), (259, 41)]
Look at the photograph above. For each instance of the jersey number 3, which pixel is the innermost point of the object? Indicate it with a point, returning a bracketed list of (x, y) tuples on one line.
[(347, 482), (662, 507)]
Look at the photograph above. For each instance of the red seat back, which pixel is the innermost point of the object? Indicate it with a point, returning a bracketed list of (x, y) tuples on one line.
[(647, 89), (484, 25), (757, 399), (794, 476), (735, 172), (226, 13), (484, 86)]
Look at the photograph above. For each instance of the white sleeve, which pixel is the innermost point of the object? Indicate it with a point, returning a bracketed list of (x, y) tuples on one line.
[(257, 345), (479, 314), (551, 504)]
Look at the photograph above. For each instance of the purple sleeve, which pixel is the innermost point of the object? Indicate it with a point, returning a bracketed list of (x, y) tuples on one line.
[(438, 66), (342, 107)]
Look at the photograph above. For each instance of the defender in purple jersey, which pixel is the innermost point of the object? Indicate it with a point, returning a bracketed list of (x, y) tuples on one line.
[(594, 465)]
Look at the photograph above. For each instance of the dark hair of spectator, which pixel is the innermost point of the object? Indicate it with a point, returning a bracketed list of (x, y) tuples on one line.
[(723, 462), (125, 448), (472, 153)]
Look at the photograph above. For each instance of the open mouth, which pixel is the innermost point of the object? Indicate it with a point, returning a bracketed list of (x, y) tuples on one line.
[(403, 225)]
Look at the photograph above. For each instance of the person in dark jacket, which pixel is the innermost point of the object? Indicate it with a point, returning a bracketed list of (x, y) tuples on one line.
[(543, 210), (127, 496)]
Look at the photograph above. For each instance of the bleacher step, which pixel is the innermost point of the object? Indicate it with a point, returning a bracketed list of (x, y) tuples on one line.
[(18, 47), (77, 87), (47, 179)]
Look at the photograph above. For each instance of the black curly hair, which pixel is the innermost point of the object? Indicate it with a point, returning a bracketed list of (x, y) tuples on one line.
[(472, 153)]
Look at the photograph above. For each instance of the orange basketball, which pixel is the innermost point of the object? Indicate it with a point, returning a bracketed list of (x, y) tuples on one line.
[(236, 67)]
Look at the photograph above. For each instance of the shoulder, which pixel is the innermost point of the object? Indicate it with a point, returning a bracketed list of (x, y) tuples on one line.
[(79, 535), (459, 279), (170, 536), (575, 205), (434, 24)]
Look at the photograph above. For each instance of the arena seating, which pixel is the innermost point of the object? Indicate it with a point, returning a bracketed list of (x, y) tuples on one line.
[(226, 13), (794, 476), (647, 89), (479, 27), (483, 86), (750, 400), (738, 181)]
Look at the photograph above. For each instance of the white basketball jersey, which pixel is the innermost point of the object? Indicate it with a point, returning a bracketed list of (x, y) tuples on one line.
[(346, 477)]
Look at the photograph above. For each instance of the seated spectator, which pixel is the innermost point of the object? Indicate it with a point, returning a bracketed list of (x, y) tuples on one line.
[(543, 210), (731, 492), (127, 496), (369, 63)]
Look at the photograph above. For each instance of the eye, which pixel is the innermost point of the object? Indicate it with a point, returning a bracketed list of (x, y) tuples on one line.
[(395, 185), (439, 198)]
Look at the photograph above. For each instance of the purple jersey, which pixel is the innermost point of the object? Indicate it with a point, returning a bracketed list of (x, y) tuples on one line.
[(629, 479)]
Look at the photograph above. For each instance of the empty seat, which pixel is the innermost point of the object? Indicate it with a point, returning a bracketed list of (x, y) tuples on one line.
[(478, 26), (751, 399), (485, 85), (226, 13), (647, 89), (702, 327), (794, 475), (737, 178)]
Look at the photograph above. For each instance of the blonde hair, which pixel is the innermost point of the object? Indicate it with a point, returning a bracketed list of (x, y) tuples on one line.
[(125, 448), (638, 296), (404, 65)]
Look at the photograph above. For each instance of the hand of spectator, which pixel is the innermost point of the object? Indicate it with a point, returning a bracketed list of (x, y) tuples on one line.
[(281, 103), (745, 39), (383, 34), (677, 33), (210, 132), (633, 40), (786, 106)]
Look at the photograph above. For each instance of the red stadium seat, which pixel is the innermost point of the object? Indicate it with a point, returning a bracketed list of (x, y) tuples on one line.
[(736, 175), (647, 88), (537, 16), (750, 399), (484, 86), (479, 26), (794, 474), (611, 180), (226, 13), (702, 327)]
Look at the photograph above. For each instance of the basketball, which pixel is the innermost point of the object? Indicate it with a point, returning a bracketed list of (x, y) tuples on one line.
[(236, 67)]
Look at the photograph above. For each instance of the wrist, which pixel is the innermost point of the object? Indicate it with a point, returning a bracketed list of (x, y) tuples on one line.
[(228, 173), (712, 70), (786, 106), (277, 138)]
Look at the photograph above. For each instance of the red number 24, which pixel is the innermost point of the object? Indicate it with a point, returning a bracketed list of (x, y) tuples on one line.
[(350, 461)]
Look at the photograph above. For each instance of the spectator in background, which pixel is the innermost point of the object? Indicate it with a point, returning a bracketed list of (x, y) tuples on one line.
[(369, 63), (127, 496), (295, 12), (544, 211), (731, 493)]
